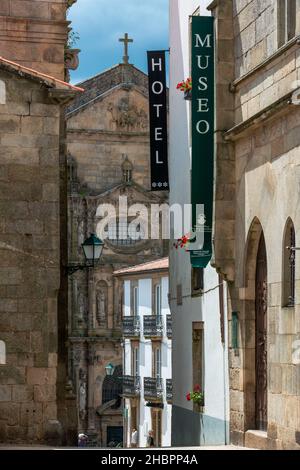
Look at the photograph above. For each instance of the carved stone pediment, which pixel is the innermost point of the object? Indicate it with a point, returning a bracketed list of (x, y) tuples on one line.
[(127, 116)]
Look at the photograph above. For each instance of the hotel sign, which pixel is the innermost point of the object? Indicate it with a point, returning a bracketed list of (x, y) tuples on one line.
[(158, 120), (203, 105)]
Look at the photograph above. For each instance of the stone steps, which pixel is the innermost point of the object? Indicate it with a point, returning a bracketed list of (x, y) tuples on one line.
[(259, 440)]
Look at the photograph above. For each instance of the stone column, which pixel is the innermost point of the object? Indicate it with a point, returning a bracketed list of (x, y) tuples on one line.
[(91, 301), (92, 433)]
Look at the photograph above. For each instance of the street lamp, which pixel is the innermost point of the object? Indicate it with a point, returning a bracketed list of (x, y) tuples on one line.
[(92, 248), (109, 369)]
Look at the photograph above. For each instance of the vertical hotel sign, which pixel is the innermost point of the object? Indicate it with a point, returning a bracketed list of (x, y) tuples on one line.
[(202, 138), (158, 120)]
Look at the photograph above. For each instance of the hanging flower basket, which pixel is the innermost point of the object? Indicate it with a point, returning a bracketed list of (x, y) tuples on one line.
[(197, 397), (188, 95), (186, 87), (182, 242)]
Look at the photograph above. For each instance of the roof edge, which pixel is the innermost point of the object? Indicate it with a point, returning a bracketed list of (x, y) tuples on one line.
[(49, 80)]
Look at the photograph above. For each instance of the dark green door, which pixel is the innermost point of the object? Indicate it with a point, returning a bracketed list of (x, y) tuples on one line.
[(114, 436)]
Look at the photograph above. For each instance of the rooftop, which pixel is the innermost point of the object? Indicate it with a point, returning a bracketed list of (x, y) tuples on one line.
[(32, 74), (157, 265)]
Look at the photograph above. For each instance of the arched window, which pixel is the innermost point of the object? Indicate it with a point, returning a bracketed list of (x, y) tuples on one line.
[(2, 353), (289, 256), (112, 386)]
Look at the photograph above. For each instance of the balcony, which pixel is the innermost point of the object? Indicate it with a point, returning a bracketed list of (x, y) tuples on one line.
[(153, 326), (153, 389), (169, 390), (169, 326), (131, 386), (131, 327)]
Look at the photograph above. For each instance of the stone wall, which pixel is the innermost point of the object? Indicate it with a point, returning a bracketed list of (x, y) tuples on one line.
[(34, 34), (29, 261), (263, 141)]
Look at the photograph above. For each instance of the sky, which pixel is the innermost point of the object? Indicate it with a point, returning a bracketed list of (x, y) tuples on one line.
[(100, 24)]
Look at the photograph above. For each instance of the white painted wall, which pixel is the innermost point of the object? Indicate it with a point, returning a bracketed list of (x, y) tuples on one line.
[(204, 308), (2, 92), (145, 308), (2, 353)]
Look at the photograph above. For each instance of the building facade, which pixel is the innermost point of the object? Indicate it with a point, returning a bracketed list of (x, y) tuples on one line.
[(147, 353), (109, 166), (257, 215), (197, 296), (35, 403), (35, 34)]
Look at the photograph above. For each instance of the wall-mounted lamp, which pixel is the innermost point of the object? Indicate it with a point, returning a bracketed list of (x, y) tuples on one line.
[(92, 248)]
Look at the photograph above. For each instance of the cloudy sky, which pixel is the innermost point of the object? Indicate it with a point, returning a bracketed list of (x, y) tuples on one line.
[(100, 23)]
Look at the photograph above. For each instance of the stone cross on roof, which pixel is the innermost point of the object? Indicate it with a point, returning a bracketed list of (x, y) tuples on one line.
[(126, 41)]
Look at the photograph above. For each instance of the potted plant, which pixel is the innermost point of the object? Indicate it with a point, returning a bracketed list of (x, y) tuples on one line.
[(183, 242), (197, 397), (186, 87)]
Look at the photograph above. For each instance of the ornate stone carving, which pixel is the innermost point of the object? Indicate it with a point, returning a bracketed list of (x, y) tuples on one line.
[(127, 168), (91, 356), (72, 59), (76, 356), (81, 234), (82, 400), (101, 305), (127, 116), (81, 310)]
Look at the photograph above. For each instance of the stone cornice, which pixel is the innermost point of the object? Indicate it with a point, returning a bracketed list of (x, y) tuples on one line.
[(14, 19), (106, 132), (279, 107), (96, 339), (61, 97), (286, 47)]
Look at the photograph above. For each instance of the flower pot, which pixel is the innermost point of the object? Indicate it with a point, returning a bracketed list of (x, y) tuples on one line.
[(188, 95), (198, 408)]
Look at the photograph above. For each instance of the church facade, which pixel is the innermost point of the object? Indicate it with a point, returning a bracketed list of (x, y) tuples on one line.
[(108, 159)]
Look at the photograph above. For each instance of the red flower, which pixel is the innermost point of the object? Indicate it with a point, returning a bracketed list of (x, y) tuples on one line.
[(197, 388), (188, 397), (185, 85)]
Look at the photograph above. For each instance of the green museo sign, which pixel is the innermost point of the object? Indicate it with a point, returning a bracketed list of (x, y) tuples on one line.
[(203, 120)]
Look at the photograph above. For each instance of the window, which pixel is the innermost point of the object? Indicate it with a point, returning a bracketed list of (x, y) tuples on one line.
[(158, 299), (289, 258), (124, 233), (2, 353), (286, 18), (197, 281), (157, 363), (135, 361), (135, 299)]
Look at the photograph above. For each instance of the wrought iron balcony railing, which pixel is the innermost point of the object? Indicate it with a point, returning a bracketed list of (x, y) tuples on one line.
[(169, 390), (169, 326), (131, 327), (131, 386), (153, 326), (153, 389)]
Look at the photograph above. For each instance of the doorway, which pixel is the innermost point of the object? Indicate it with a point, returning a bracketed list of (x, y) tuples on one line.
[(114, 436), (261, 325)]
